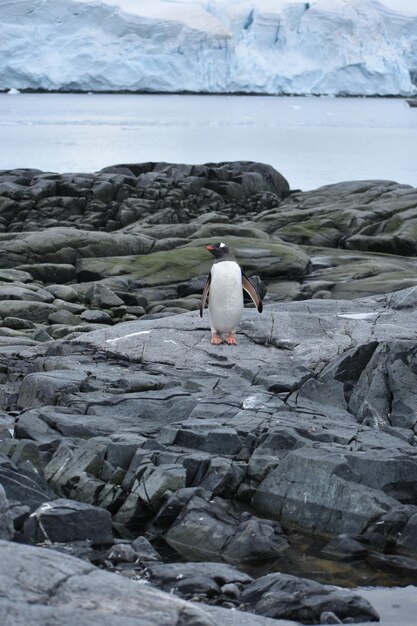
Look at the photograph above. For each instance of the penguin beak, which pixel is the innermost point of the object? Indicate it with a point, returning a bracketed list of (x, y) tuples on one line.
[(209, 248)]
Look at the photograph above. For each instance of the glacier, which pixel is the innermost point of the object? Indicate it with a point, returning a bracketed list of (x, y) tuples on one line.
[(321, 47)]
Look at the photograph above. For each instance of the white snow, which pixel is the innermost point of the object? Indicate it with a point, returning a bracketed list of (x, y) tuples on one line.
[(358, 316), (357, 47), (142, 332)]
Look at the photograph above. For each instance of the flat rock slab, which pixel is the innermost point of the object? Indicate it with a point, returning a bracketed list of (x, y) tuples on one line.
[(285, 337), (42, 584)]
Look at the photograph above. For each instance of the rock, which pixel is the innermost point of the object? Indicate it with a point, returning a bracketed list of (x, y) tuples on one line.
[(96, 317), (27, 310), (63, 292), (6, 522), (65, 520), (217, 530), (101, 296), (42, 388), (269, 259), (387, 562), (122, 553), (17, 323), (203, 579), (41, 335), (73, 585), (145, 552), (289, 597), (64, 245), (345, 548), (310, 421), (50, 272), (24, 484), (389, 530), (14, 292), (30, 426), (321, 492), (12, 275), (63, 317)]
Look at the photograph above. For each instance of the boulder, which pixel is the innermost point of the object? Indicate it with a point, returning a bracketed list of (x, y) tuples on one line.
[(65, 520), (289, 597)]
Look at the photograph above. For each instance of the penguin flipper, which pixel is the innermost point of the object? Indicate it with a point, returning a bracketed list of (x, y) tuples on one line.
[(251, 290), (205, 294)]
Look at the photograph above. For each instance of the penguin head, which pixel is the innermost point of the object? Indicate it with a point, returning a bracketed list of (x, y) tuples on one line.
[(219, 250)]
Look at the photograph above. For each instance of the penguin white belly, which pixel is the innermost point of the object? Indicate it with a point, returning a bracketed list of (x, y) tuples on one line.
[(225, 296)]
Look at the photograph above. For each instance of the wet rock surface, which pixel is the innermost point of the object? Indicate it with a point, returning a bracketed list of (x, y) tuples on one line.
[(130, 442)]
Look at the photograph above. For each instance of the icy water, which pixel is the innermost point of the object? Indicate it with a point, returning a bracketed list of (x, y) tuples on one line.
[(311, 141), (392, 592)]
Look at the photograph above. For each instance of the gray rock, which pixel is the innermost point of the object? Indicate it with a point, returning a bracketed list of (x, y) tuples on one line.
[(11, 275), (24, 484), (122, 553), (215, 529), (65, 520), (63, 292), (318, 489), (14, 292), (17, 323), (310, 419), (50, 272), (71, 585), (64, 245), (6, 522), (63, 317), (101, 296), (42, 388), (96, 317), (28, 310), (205, 579), (145, 552), (345, 548), (289, 597)]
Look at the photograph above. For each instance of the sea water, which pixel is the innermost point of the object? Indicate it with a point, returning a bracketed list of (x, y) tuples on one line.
[(312, 141)]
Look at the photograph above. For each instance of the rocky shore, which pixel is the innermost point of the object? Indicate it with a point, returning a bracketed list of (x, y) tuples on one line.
[(150, 477)]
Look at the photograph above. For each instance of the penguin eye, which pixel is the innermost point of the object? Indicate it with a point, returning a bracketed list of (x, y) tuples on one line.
[(222, 245)]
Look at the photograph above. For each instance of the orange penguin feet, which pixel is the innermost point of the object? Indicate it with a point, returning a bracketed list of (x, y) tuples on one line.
[(216, 339), (231, 339)]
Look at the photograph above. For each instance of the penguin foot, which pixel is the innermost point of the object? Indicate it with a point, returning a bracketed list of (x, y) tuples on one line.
[(216, 340), (231, 339)]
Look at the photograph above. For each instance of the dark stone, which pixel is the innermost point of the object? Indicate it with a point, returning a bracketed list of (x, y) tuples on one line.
[(282, 596), (203, 579), (42, 388), (320, 490), (310, 420), (387, 530), (24, 484), (390, 562), (96, 317), (17, 323), (216, 529), (56, 589), (145, 552), (345, 548), (66, 520), (6, 521), (47, 273), (122, 553)]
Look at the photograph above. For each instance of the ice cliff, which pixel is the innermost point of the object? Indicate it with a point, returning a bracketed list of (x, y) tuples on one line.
[(356, 47)]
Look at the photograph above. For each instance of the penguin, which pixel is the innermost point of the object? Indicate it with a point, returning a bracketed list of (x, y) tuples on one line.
[(224, 289)]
